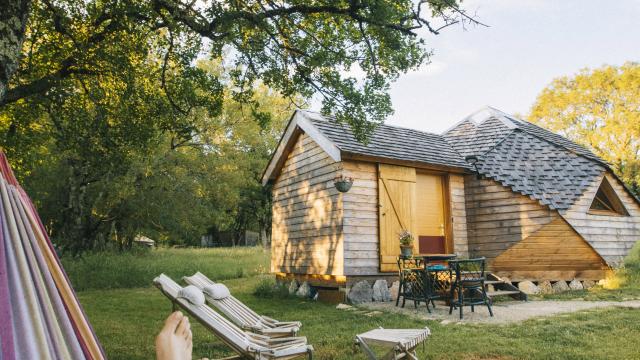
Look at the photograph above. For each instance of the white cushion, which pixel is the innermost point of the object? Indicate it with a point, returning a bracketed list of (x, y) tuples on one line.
[(216, 291), (192, 294)]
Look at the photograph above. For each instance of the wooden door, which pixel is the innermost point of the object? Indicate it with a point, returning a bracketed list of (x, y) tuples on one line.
[(430, 210), (396, 190)]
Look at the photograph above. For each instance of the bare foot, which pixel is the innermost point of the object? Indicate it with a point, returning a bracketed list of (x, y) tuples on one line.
[(174, 340)]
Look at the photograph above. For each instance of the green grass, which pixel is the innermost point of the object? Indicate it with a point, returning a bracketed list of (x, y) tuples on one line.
[(126, 320), (111, 270)]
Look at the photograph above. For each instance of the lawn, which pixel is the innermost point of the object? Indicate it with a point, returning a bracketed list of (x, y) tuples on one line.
[(126, 317)]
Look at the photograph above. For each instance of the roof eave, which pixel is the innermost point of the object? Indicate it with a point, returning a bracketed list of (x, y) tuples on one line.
[(417, 164), (299, 123)]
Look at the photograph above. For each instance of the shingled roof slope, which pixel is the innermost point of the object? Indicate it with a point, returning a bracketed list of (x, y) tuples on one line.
[(527, 158), (544, 171), (392, 142)]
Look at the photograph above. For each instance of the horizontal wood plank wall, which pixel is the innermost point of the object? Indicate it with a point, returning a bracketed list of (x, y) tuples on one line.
[(458, 215), (307, 214), (361, 248), (612, 236), (498, 218), (554, 252)]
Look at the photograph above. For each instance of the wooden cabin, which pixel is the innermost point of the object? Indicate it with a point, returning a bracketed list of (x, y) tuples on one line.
[(536, 205)]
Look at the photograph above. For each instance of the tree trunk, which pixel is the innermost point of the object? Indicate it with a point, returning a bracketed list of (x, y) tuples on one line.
[(13, 21)]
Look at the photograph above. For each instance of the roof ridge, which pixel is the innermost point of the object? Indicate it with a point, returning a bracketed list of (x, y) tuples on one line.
[(556, 144), (326, 119), (511, 132)]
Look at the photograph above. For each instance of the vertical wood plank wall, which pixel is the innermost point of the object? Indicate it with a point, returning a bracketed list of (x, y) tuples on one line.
[(612, 236), (307, 214), (361, 248), (458, 215), (498, 218)]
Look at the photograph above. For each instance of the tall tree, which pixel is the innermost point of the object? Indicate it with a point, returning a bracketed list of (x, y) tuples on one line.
[(600, 109), (297, 47)]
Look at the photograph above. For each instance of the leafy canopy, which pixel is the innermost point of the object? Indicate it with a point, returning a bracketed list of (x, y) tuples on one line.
[(305, 48), (600, 109)]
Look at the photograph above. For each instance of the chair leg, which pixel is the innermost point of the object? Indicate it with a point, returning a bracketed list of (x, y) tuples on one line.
[(472, 309), (487, 301), (461, 300), (451, 293), (399, 292), (428, 309)]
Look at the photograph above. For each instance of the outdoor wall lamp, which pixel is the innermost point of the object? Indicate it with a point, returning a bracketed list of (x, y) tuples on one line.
[(473, 160)]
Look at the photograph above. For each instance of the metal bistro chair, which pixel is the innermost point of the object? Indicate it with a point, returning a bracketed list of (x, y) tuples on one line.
[(467, 287), (409, 270)]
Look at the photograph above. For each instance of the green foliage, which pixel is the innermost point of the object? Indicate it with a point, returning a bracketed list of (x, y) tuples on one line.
[(268, 288), (598, 108), (302, 48), (111, 270)]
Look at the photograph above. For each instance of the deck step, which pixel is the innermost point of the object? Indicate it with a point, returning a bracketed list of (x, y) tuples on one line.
[(502, 292), (491, 282)]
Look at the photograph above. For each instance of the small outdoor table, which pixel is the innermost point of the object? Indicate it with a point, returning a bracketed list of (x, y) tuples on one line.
[(421, 282), (403, 342)]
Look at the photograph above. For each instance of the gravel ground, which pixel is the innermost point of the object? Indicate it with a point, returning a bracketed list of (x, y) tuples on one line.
[(504, 312)]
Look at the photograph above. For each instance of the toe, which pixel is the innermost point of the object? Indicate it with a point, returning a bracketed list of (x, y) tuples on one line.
[(183, 326)]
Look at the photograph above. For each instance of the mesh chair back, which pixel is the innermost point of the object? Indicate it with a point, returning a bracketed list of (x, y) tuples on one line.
[(468, 271)]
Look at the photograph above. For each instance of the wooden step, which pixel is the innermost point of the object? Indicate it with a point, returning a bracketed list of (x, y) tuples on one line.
[(502, 293), (491, 282)]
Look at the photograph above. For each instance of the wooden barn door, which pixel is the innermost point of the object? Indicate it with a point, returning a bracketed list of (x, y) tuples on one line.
[(396, 190)]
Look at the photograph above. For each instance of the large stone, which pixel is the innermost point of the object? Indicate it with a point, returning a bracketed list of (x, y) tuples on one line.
[(588, 284), (528, 287), (506, 280), (394, 290), (490, 288), (293, 287), (560, 286), (360, 293), (545, 287), (304, 291), (575, 285), (381, 291)]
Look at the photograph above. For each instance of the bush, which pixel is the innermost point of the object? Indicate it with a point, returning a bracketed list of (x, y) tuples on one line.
[(268, 288)]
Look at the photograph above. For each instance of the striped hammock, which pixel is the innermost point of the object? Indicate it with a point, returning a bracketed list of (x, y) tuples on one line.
[(40, 316)]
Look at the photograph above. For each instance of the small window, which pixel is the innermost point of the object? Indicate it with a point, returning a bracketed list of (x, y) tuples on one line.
[(607, 202)]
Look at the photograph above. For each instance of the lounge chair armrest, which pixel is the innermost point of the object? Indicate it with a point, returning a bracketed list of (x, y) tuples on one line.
[(280, 323), (292, 339)]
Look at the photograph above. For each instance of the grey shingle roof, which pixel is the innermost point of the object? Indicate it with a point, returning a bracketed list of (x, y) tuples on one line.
[(527, 158), (393, 143), (544, 171), (522, 156)]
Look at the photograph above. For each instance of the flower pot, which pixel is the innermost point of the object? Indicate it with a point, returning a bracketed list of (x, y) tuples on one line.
[(343, 185), (406, 251)]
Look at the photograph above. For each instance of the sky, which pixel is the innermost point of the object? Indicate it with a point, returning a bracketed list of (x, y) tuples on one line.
[(528, 43)]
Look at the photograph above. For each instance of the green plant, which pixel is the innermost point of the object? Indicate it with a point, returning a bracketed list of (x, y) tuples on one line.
[(268, 288), (406, 238)]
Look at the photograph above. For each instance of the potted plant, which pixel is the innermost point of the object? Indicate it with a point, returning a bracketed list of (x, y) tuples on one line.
[(343, 183), (406, 243)]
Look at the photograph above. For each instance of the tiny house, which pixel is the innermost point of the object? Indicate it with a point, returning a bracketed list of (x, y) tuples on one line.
[(536, 205)]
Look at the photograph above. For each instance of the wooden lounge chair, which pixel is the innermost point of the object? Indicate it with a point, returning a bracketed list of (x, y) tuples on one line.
[(403, 342), (246, 344), (241, 314)]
